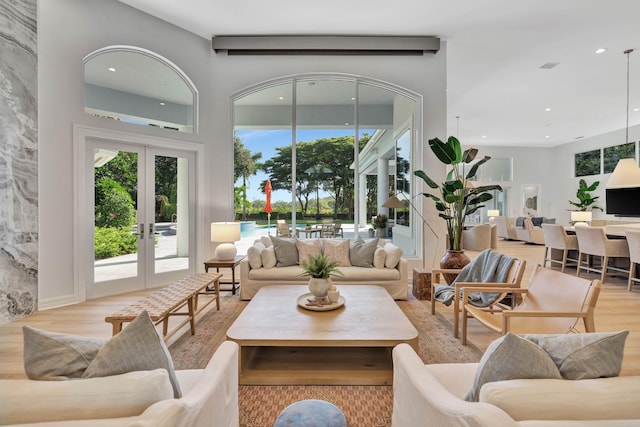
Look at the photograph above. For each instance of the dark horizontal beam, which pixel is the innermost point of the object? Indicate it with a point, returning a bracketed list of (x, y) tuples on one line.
[(325, 45)]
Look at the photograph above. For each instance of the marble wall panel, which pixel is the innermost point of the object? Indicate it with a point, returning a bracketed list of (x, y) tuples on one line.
[(18, 160)]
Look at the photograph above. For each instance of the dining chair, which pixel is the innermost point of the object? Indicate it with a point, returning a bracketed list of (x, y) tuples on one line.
[(556, 238), (552, 303), (593, 241), (633, 240)]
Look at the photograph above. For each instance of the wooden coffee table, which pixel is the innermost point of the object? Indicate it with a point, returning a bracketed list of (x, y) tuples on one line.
[(282, 343)]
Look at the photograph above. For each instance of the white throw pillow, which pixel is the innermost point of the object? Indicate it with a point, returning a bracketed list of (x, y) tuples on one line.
[(379, 257), (266, 241), (254, 255), (394, 253), (115, 396), (269, 257)]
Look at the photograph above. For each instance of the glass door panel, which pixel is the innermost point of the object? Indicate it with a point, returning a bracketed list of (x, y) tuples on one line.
[(117, 235), (142, 218), (172, 218)]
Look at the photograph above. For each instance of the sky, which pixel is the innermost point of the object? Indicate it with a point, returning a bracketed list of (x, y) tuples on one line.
[(266, 141)]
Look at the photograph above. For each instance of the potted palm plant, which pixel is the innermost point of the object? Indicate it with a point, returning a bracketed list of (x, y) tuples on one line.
[(457, 198), (585, 201), (380, 224), (320, 270)]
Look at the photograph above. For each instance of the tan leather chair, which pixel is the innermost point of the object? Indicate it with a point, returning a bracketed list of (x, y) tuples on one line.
[(633, 241), (505, 227), (556, 237), (594, 241), (514, 280), (553, 303), (530, 234), (480, 237)]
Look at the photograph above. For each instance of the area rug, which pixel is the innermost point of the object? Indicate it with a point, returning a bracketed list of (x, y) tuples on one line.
[(364, 406)]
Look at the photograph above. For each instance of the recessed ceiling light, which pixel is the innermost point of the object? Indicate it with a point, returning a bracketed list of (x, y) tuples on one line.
[(163, 104), (484, 136), (113, 70), (601, 50), (547, 109), (547, 136), (346, 124), (281, 98), (353, 98), (636, 109)]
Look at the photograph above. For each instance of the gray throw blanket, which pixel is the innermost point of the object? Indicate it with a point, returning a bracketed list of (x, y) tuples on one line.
[(488, 266)]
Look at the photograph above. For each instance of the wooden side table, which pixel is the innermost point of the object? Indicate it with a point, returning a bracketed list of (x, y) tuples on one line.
[(231, 263), (421, 288)]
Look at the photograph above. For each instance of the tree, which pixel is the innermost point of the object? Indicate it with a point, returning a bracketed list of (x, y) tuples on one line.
[(245, 165), (123, 169), (279, 170), (113, 205)]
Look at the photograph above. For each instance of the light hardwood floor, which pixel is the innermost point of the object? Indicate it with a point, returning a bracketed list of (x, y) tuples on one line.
[(617, 309)]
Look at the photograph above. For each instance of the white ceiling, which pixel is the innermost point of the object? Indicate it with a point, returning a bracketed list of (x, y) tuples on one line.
[(495, 51)]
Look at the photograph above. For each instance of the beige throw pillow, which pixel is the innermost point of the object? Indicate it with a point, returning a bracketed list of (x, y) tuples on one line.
[(138, 347), (337, 250), (307, 248)]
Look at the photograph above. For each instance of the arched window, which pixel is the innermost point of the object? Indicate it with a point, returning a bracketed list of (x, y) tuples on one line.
[(136, 85), (301, 132)]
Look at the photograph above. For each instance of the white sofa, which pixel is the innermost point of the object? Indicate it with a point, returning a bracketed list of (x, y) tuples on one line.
[(394, 280), (432, 395), (209, 398)]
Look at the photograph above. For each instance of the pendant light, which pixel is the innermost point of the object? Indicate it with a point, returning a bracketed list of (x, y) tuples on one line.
[(627, 173)]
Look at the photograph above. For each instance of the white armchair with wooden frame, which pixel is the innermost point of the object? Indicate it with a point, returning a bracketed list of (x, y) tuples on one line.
[(514, 279), (553, 303)]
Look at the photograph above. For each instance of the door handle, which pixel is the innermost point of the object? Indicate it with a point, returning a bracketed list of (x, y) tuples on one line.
[(151, 231), (141, 231)]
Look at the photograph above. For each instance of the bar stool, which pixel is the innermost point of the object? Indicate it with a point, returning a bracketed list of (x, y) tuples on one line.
[(633, 240), (555, 237), (594, 241)]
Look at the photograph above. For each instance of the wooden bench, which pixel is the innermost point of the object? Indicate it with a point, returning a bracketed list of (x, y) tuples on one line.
[(167, 301)]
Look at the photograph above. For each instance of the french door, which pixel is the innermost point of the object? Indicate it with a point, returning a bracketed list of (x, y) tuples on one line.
[(141, 207)]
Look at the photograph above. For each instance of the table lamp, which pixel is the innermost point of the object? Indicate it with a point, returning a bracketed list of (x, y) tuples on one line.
[(581, 218), (492, 213), (225, 233)]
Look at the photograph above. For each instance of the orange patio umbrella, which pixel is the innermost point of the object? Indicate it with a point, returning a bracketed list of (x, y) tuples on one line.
[(267, 206)]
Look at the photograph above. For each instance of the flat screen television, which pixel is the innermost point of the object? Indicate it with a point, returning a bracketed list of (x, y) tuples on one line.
[(623, 201)]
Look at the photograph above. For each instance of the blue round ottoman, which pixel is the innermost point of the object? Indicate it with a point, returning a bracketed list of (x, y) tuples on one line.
[(311, 413)]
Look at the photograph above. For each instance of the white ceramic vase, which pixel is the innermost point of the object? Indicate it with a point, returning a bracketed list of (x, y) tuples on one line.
[(319, 287)]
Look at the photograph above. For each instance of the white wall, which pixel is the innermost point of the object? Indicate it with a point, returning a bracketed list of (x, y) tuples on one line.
[(553, 170), (70, 29)]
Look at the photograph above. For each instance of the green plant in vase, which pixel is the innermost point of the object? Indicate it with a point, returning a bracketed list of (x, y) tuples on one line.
[(320, 270), (457, 198), (585, 201)]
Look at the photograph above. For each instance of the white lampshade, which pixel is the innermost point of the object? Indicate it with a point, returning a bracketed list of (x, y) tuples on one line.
[(225, 233), (626, 174), (493, 212), (581, 217)]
